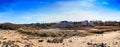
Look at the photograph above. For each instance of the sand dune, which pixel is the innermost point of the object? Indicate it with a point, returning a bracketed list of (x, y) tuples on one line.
[(110, 39)]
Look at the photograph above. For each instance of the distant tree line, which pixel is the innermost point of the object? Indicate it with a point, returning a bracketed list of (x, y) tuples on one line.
[(38, 26)]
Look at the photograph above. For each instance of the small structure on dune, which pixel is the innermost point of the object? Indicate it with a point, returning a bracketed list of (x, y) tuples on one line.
[(66, 24), (87, 23)]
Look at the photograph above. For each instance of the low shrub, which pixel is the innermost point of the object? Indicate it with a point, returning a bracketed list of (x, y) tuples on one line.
[(55, 41), (9, 44)]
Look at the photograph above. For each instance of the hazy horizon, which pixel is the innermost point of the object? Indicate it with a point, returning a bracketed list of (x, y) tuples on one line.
[(47, 11)]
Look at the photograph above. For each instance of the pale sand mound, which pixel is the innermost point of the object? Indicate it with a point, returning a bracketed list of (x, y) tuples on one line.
[(111, 39)]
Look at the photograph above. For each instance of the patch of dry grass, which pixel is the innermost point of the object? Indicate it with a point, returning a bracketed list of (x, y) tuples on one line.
[(54, 33), (101, 31)]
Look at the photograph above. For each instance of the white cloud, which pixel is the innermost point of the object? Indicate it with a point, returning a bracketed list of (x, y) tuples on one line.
[(73, 11), (80, 10), (105, 3), (72, 16), (26, 17), (81, 4)]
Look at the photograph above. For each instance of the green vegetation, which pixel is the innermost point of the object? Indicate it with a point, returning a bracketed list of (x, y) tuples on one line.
[(54, 33), (101, 31), (73, 26), (65, 33)]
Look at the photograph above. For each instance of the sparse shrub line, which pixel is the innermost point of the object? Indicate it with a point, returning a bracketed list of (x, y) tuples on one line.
[(53, 33)]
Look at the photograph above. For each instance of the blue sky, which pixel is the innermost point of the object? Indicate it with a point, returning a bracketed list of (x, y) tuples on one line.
[(42, 11)]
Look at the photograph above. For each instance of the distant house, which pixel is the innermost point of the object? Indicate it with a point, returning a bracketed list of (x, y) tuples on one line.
[(66, 24), (87, 23), (91, 23)]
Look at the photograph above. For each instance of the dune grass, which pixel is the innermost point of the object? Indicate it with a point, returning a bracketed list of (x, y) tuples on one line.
[(54, 33)]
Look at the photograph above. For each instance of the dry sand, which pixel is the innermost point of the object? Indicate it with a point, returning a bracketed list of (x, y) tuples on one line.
[(112, 39)]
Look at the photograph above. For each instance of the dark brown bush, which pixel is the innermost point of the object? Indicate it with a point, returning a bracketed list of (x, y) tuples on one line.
[(9, 26), (55, 40)]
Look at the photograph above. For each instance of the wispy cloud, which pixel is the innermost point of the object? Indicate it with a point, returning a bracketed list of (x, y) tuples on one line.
[(55, 11), (81, 10), (74, 11)]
